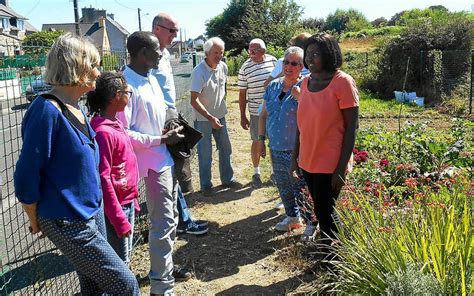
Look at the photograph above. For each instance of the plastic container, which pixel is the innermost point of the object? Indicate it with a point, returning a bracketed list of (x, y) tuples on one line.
[(419, 101), (404, 97)]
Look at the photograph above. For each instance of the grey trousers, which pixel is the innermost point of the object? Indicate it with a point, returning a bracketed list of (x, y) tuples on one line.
[(161, 199)]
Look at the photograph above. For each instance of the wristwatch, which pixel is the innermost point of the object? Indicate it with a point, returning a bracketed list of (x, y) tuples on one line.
[(261, 137)]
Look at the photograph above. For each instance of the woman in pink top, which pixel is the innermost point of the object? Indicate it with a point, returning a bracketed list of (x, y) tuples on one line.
[(118, 164), (327, 120)]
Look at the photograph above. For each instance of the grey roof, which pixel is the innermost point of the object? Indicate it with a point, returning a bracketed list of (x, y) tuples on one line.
[(29, 27), (118, 26), (68, 27), (91, 30), (7, 11)]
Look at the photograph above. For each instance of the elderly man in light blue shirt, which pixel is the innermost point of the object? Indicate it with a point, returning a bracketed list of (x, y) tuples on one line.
[(208, 82)]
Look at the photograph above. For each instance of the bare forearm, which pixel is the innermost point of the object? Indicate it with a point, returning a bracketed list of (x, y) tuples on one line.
[(242, 102), (296, 148), (350, 121), (197, 105)]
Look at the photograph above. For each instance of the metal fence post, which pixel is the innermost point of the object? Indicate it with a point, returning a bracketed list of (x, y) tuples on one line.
[(470, 91)]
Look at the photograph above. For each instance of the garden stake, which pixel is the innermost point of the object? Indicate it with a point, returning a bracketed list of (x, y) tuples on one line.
[(400, 113)]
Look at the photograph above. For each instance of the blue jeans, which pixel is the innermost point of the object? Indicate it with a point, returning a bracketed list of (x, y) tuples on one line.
[(99, 268), (204, 149), (122, 245), (184, 215), (281, 161)]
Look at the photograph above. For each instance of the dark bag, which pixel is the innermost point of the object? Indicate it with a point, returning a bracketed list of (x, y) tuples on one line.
[(183, 149)]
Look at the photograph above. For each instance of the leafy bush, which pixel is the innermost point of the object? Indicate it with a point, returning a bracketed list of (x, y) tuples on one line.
[(438, 50), (382, 31), (411, 282), (235, 62)]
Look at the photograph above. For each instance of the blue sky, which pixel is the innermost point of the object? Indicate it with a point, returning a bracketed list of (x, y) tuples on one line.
[(193, 14)]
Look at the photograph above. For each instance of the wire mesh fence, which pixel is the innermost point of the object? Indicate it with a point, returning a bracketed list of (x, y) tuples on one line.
[(30, 265), (434, 74)]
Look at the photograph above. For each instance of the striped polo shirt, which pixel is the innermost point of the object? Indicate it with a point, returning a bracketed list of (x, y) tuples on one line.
[(252, 76)]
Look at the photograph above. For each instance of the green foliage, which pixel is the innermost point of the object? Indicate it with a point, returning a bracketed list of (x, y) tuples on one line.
[(313, 24), (234, 62), (274, 21), (40, 42), (381, 31), (447, 32), (346, 20), (380, 241), (379, 22), (411, 281), (110, 62)]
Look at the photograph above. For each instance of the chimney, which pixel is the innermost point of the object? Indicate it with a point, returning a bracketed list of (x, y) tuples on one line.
[(101, 22), (4, 2), (111, 15)]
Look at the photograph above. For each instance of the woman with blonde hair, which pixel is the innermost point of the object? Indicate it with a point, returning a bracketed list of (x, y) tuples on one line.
[(57, 178)]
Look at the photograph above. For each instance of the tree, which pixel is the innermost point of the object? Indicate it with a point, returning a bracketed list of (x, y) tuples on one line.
[(438, 8), (274, 21), (40, 42), (379, 22), (313, 23), (346, 21)]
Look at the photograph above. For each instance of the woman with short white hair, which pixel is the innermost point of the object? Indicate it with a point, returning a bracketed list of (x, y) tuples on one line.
[(278, 121)]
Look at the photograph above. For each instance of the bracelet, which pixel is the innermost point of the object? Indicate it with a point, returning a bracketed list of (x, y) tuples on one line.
[(261, 137)]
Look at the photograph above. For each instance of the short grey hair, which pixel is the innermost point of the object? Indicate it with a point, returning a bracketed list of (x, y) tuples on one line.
[(295, 50), (211, 42), (259, 42), (70, 61), (159, 19)]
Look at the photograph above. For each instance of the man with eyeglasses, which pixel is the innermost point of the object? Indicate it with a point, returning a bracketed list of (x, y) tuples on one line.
[(165, 28), (252, 76), (144, 119)]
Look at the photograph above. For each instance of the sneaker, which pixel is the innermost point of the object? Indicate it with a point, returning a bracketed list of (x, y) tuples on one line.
[(279, 206), (181, 274), (233, 185), (194, 228), (208, 191), (288, 224), (203, 223), (309, 233), (256, 181), (273, 179)]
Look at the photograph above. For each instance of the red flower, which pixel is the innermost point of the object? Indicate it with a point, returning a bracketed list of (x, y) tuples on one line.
[(383, 163)]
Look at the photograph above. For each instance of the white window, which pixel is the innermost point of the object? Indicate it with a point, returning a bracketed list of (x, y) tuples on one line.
[(5, 23), (20, 25)]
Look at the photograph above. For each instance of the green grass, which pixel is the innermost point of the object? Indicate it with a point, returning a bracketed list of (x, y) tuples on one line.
[(371, 106)]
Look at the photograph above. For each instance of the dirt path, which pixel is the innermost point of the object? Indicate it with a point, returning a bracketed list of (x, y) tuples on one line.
[(239, 255)]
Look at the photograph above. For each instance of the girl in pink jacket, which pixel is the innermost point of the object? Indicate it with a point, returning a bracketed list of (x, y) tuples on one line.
[(118, 164)]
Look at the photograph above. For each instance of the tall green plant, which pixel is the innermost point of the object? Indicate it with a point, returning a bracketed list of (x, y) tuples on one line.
[(434, 233)]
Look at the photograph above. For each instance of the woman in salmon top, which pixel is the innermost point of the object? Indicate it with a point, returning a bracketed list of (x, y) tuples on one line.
[(327, 120)]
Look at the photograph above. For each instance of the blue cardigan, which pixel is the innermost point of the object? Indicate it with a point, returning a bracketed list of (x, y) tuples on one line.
[(58, 167)]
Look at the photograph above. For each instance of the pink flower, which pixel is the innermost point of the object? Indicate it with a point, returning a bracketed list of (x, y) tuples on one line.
[(383, 163)]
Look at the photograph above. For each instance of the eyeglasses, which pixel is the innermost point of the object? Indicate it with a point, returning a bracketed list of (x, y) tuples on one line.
[(294, 64), (255, 50), (171, 30)]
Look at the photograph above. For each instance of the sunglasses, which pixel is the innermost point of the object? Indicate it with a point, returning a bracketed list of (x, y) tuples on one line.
[(172, 31), (294, 64)]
